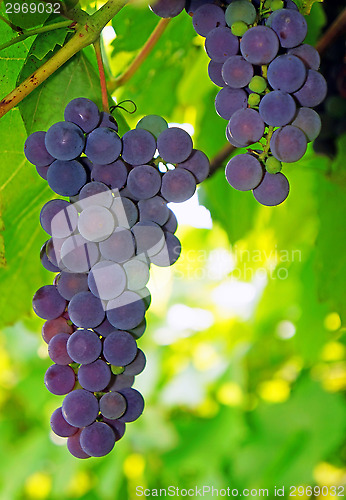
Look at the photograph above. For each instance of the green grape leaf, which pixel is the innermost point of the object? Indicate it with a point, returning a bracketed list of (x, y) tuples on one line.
[(45, 105), (306, 5), (46, 42)]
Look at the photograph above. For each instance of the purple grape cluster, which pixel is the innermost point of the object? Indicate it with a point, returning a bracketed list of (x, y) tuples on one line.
[(103, 240), (270, 83)]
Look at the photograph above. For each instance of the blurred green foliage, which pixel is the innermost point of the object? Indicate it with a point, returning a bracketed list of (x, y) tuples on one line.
[(245, 342)]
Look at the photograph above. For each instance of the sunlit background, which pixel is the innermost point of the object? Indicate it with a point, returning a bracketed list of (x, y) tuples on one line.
[(245, 338)]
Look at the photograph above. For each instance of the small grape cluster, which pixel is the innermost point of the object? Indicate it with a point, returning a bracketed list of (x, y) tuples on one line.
[(270, 83), (103, 240)]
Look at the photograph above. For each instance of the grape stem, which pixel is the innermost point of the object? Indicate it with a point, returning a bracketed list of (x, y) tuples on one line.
[(36, 31), (11, 25), (141, 56), (266, 148), (86, 34), (98, 52), (218, 160), (333, 32)]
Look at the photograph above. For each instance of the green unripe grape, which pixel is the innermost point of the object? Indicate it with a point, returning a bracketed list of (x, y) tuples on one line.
[(273, 165), (267, 4), (258, 84), (239, 28), (240, 10), (253, 100), (277, 4), (153, 123), (116, 370)]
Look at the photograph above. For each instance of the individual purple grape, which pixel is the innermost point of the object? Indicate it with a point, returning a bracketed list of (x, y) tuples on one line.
[(273, 189), (74, 447), (113, 175), (66, 178), (78, 255), (178, 185), (215, 73), (46, 263), (125, 212), (220, 44), (95, 376), (57, 349), (117, 426), (237, 72), (65, 141), (119, 348), (95, 193), (105, 328), (98, 439), (277, 108), (137, 274), (289, 4), (43, 171), (48, 303), (59, 218), (53, 251), (83, 112), (103, 146), (60, 379), (308, 54), (107, 280), (112, 405), (35, 150), (107, 120), (80, 408), (84, 346), (153, 209), (228, 101), (139, 147), (314, 90), (86, 310), (309, 122), (192, 5), (119, 247), (137, 365), (126, 311), (167, 8), (149, 238), (288, 144), (59, 425), (172, 224), (231, 139), (169, 253), (69, 284), (259, 45), (139, 330), (286, 73), (246, 126), (54, 326), (135, 405), (121, 381), (244, 172), (174, 145), (207, 17), (96, 223), (289, 25), (144, 181)]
